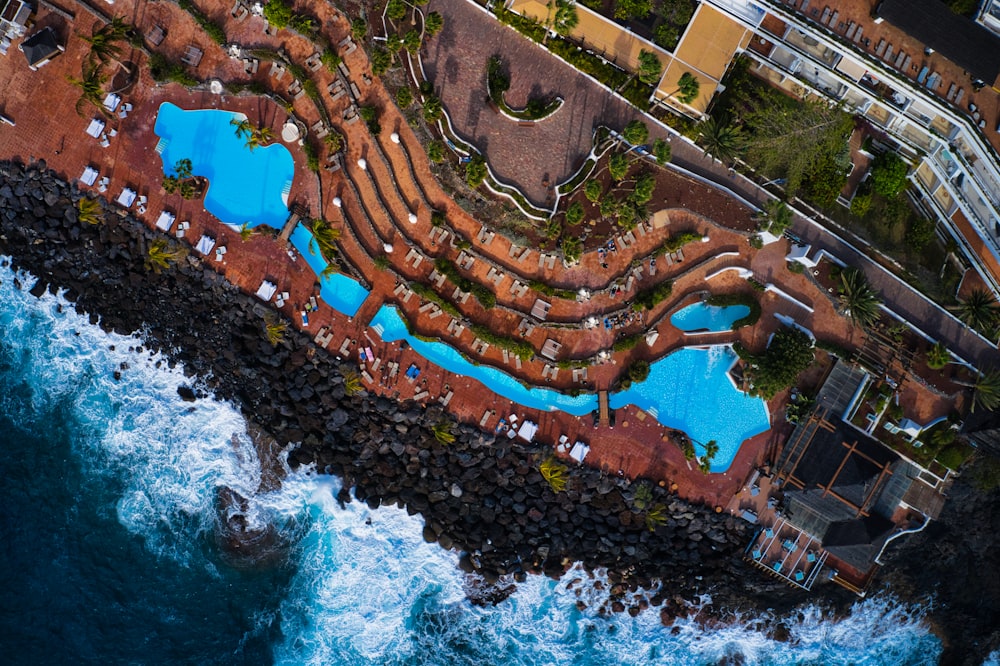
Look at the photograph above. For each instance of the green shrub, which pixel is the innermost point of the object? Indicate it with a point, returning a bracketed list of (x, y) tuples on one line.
[(861, 204), (381, 59), (213, 30), (572, 249), (953, 455), (475, 171), (888, 175), (627, 342), (331, 60), (647, 299), (677, 241), (162, 70), (432, 109), (593, 191), (574, 214), (435, 152), (428, 294), (520, 348), (359, 29), (278, 13), (404, 97), (790, 352)]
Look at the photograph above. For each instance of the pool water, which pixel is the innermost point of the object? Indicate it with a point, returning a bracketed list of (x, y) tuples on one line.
[(390, 326), (245, 186), (700, 317), (689, 390), (340, 292)]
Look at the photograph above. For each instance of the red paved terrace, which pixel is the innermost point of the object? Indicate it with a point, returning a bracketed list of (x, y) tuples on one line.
[(375, 204)]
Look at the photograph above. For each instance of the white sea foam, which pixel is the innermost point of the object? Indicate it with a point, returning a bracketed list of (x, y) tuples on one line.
[(377, 594), (368, 589)]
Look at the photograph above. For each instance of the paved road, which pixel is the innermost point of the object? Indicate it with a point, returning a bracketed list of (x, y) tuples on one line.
[(902, 299)]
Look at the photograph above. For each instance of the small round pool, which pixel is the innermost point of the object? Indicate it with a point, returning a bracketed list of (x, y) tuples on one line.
[(702, 318)]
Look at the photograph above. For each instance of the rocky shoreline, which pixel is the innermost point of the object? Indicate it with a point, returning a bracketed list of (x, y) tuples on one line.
[(480, 495)]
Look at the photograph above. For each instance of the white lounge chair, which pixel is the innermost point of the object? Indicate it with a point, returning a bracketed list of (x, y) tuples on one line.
[(95, 127), (165, 221), (266, 290), (126, 198), (89, 176), (205, 245)]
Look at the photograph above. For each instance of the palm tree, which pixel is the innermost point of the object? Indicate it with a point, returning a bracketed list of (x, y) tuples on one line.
[(688, 88), (274, 329), (776, 217), (329, 270), (160, 255), (265, 135), (561, 17), (104, 47), (104, 40), (246, 231), (259, 136), (352, 383), (554, 472), (656, 517), (859, 300), (89, 211), (243, 127), (91, 87), (721, 139), (443, 432), (979, 310), (938, 356), (986, 390), (326, 236)]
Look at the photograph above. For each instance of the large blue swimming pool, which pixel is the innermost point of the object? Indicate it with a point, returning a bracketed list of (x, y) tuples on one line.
[(339, 291), (689, 390), (699, 317), (245, 186)]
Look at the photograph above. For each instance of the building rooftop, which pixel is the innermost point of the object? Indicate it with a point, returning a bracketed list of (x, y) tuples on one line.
[(40, 47), (957, 38)]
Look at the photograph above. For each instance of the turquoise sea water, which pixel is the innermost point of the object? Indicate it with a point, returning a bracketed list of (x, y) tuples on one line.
[(109, 491), (707, 318), (245, 186)]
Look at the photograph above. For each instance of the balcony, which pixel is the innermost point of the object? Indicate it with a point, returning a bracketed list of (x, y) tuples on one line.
[(813, 47), (886, 92)]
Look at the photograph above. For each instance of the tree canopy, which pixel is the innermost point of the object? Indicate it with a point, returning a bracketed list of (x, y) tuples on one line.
[(688, 88), (888, 175), (860, 302), (790, 352), (626, 9), (636, 133), (650, 68), (800, 141)]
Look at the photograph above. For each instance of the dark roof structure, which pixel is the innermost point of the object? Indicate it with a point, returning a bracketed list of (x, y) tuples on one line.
[(841, 486), (40, 47), (857, 542), (957, 38)]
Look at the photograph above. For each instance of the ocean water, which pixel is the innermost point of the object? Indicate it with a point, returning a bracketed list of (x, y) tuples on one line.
[(109, 494)]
